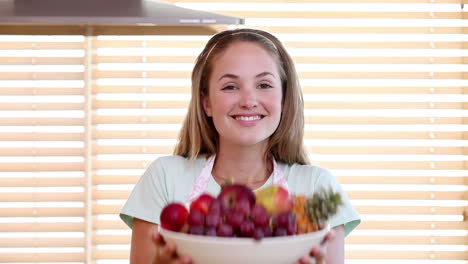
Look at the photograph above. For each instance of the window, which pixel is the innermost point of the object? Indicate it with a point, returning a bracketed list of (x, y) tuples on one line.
[(83, 114)]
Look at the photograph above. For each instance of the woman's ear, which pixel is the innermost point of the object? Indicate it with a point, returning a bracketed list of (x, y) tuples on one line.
[(206, 105)]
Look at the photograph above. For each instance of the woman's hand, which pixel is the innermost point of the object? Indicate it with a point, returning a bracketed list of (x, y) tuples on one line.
[(318, 252), (334, 242), (149, 246), (167, 253)]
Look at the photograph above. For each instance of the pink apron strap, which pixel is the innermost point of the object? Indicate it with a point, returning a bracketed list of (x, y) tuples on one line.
[(201, 183)]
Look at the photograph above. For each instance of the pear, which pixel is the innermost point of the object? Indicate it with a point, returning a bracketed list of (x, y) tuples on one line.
[(275, 199)]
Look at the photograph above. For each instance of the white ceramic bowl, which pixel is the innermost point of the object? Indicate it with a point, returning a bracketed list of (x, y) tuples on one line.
[(272, 250)]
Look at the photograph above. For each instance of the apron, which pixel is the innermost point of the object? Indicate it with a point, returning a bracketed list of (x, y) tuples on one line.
[(201, 183)]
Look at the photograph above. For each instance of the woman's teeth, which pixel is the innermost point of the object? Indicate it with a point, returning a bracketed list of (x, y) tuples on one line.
[(247, 118)]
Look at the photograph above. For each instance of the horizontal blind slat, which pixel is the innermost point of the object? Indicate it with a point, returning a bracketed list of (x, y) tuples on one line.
[(42, 197), (445, 180), (38, 121), (40, 91), (42, 182), (65, 166), (43, 242), (40, 106), (34, 136), (407, 240), (42, 212), (413, 255), (43, 227), (43, 257), (41, 151)]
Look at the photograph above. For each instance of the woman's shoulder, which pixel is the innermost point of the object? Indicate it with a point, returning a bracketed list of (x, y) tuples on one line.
[(176, 163), (305, 179), (304, 170)]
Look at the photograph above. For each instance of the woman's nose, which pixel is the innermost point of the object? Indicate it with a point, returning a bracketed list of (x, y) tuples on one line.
[(248, 98)]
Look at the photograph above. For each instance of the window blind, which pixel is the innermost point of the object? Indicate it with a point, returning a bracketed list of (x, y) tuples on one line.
[(384, 88), (384, 91), (42, 176)]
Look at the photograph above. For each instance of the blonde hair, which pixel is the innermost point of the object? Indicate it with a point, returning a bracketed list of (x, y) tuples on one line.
[(199, 135)]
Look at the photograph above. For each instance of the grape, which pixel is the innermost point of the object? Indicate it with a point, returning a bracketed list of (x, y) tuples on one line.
[(291, 228), (225, 230), (243, 207), (234, 218), (210, 231), (212, 219), (258, 233), (283, 219), (267, 231), (247, 229), (196, 218), (280, 231), (259, 215), (196, 230), (215, 207)]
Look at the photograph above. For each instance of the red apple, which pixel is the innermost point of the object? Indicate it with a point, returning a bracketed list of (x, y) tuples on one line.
[(174, 217), (231, 194), (202, 203)]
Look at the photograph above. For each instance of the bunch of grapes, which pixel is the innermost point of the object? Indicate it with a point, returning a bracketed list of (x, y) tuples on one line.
[(240, 220)]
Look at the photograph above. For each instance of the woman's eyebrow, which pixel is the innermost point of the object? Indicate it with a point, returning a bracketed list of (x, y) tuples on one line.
[(233, 76), (229, 75), (264, 74)]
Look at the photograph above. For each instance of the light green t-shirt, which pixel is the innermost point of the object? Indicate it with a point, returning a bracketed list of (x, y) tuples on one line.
[(170, 179)]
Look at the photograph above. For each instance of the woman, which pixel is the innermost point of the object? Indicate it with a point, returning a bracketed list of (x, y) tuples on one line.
[(245, 124)]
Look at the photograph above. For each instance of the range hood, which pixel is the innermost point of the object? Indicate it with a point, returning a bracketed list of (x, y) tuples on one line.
[(122, 12)]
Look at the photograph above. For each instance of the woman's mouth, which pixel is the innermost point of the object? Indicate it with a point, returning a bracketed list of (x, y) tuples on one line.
[(248, 118)]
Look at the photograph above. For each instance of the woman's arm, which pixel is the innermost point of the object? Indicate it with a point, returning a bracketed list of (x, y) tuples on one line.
[(334, 251), (149, 247), (143, 247)]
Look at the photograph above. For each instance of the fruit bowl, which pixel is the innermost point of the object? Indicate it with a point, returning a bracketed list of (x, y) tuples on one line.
[(271, 250)]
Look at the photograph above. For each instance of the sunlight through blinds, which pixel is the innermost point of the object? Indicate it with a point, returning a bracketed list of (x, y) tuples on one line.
[(41, 148), (384, 85), (384, 94)]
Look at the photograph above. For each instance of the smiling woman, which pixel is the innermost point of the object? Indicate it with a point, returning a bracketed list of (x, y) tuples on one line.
[(245, 115)]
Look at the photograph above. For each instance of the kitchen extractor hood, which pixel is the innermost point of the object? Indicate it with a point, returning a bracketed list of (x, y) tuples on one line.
[(122, 12)]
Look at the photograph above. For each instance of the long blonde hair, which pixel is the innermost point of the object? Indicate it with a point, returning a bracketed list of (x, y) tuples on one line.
[(199, 135)]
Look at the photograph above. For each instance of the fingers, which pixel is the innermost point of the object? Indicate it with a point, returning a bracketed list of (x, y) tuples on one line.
[(158, 238), (319, 252), (303, 260), (167, 251)]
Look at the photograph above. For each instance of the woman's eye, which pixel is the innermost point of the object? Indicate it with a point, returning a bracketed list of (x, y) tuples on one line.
[(265, 86), (229, 87)]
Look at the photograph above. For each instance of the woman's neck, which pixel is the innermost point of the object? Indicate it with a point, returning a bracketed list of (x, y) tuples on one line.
[(244, 165)]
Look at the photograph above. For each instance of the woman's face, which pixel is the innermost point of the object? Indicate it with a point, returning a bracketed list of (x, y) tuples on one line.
[(245, 95)]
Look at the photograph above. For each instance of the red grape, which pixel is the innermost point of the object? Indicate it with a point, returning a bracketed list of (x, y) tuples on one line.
[(196, 230), (247, 229), (258, 233), (210, 231), (212, 219), (259, 215), (196, 218), (225, 230), (280, 231), (234, 218)]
